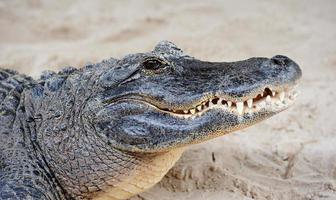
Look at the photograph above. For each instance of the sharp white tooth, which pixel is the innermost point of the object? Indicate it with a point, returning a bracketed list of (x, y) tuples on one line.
[(229, 103), (273, 94), (282, 96), (250, 103), (199, 108), (185, 111), (240, 107), (268, 98), (192, 111)]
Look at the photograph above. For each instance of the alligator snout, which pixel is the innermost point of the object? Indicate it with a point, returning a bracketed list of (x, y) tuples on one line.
[(281, 60), (284, 68)]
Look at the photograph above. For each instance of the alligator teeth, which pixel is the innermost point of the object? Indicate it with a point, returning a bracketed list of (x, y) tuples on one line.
[(268, 98), (192, 111), (260, 101), (250, 103), (282, 96), (240, 107)]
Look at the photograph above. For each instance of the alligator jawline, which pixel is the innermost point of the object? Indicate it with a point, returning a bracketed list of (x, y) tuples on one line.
[(268, 99)]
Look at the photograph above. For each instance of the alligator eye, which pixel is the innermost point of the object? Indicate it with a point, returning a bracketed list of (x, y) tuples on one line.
[(153, 64)]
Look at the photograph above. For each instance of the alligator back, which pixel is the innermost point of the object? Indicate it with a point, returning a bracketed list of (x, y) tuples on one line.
[(14, 157), (11, 87)]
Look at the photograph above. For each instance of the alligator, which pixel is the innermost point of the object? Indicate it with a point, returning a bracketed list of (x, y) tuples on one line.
[(113, 129)]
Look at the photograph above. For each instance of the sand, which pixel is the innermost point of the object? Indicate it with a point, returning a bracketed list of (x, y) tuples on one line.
[(290, 156)]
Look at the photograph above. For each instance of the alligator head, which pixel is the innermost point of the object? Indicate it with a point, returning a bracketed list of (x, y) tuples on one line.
[(165, 99), (113, 129)]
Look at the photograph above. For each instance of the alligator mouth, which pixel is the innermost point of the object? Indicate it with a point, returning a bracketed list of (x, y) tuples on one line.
[(268, 99)]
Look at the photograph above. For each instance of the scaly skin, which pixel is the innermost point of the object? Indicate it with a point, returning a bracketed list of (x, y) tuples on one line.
[(113, 129)]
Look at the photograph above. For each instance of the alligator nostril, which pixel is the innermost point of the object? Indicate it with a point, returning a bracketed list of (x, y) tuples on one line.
[(280, 60)]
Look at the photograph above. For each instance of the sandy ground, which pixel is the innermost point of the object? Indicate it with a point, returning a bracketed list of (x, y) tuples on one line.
[(290, 156)]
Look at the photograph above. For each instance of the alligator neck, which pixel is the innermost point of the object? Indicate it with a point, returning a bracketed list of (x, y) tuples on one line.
[(22, 168)]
